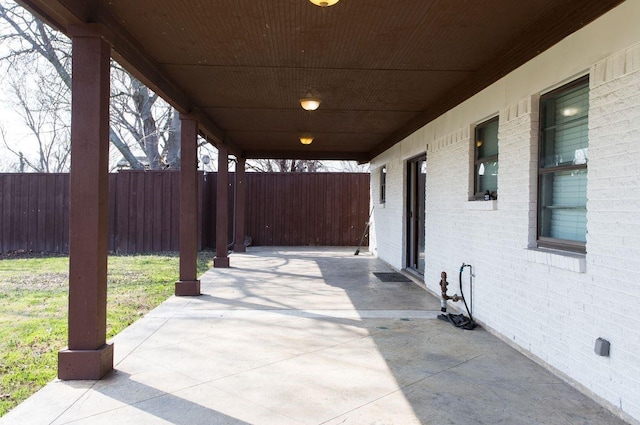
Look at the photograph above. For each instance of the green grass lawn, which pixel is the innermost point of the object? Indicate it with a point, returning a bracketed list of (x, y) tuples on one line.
[(33, 311)]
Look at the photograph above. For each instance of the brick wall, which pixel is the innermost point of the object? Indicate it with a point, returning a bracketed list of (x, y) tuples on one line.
[(388, 216), (551, 305), (611, 292)]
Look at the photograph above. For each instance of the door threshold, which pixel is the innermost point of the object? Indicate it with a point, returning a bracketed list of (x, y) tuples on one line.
[(414, 275)]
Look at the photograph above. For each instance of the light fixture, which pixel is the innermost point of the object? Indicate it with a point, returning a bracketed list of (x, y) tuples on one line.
[(481, 169), (306, 140), (324, 3), (569, 112), (310, 103)]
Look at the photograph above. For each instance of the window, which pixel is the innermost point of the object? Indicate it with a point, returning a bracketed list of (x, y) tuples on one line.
[(486, 160), (383, 184), (562, 167)]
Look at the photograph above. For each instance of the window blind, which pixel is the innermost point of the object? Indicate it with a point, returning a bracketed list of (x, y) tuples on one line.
[(563, 165)]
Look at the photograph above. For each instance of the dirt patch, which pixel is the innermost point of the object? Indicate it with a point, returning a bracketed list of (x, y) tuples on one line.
[(39, 282), (22, 253)]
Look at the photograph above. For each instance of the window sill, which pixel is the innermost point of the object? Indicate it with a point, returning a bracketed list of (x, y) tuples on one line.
[(482, 205), (560, 259)]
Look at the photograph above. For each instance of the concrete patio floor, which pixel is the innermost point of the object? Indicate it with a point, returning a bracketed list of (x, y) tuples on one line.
[(309, 336)]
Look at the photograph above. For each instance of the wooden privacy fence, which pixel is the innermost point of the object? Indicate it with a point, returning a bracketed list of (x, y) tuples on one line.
[(282, 209)]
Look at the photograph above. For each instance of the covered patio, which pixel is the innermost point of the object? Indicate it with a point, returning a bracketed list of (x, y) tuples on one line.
[(293, 336), (239, 72), (309, 336)]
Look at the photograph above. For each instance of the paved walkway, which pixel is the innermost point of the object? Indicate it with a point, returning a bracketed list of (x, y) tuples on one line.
[(309, 336)]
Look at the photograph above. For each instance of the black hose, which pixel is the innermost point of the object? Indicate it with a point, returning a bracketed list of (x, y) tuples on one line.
[(464, 300)]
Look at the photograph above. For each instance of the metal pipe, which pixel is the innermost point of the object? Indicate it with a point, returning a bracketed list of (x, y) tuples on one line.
[(444, 297)]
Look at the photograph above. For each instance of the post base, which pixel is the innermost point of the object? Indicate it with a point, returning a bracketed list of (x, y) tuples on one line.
[(239, 247), (221, 262), (186, 288), (85, 364)]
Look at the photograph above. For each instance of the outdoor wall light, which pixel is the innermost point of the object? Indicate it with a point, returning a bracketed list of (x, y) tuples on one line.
[(324, 3), (306, 140), (310, 103)]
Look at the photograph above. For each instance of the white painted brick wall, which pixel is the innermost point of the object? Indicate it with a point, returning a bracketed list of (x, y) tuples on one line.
[(613, 214), (552, 305), (388, 217)]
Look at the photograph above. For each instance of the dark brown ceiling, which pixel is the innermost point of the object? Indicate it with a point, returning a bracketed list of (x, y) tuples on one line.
[(383, 68)]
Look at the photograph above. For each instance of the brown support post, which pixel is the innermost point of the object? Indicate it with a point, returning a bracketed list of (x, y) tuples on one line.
[(88, 356), (238, 246), (221, 259), (188, 283)]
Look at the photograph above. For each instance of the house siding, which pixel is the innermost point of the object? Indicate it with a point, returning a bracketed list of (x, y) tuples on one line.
[(549, 304)]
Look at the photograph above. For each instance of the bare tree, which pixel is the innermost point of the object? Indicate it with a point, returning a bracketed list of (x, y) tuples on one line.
[(4, 164), (141, 116), (26, 35), (139, 119), (346, 166), (45, 113), (171, 137), (285, 165)]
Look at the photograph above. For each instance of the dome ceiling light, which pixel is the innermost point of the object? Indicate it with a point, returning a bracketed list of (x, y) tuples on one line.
[(310, 103), (306, 140), (324, 3)]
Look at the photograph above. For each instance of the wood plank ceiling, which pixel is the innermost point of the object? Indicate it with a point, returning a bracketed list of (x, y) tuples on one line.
[(383, 68)]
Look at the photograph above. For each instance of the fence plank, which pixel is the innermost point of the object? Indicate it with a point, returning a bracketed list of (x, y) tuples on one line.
[(112, 219), (6, 206), (61, 222)]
